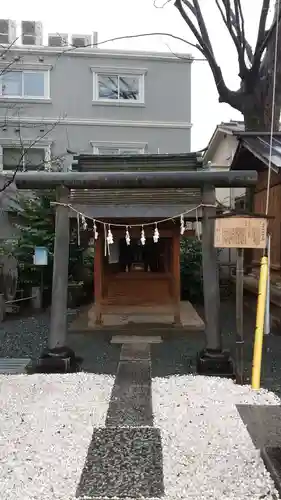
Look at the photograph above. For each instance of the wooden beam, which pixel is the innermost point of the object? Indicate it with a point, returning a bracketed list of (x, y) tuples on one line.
[(133, 180)]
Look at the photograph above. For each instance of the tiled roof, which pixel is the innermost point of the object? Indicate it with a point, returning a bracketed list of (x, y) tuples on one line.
[(232, 126), (260, 146), (139, 162)]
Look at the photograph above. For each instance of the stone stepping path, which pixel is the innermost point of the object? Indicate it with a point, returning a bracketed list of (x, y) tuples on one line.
[(124, 459)]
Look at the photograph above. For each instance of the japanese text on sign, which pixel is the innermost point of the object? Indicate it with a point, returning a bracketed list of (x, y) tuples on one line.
[(240, 232)]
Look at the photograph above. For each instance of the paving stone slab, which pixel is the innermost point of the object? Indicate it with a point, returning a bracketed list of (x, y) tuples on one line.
[(123, 462), (135, 352), (272, 459), (263, 423), (134, 373), (136, 339), (130, 406)]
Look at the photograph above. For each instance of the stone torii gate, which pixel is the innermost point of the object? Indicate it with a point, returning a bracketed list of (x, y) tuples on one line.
[(213, 357)]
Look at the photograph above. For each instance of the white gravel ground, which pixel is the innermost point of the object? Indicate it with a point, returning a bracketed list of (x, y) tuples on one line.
[(207, 451), (47, 422), (46, 426)]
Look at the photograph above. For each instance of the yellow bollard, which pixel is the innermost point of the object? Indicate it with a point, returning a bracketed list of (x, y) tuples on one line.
[(261, 305)]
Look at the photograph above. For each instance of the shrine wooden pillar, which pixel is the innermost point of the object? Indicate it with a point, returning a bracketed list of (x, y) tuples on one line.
[(98, 271), (176, 275)]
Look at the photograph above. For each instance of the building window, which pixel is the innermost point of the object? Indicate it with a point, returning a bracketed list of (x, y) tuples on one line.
[(25, 84), (117, 151), (24, 159), (118, 88)]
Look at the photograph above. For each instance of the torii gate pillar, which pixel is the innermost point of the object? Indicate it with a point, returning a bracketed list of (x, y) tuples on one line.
[(212, 360), (58, 357)]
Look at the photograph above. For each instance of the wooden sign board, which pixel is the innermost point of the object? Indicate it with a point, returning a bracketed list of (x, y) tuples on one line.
[(240, 232)]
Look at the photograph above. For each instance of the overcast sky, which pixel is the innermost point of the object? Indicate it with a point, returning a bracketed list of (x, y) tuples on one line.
[(112, 18)]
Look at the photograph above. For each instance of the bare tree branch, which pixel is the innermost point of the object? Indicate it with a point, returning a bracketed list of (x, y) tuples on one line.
[(238, 8), (249, 51), (7, 68), (160, 6), (232, 22), (190, 6), (35, 141), (202, 46), (267, 36), (183, 58), (203, 27), (139, 35), (7, 49), (205, 47), (237, 21), (260, 37)]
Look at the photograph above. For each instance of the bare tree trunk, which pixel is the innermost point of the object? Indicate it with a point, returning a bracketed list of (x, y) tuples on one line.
[(254, 119), (259, 69), (258, 113), (258, 107)]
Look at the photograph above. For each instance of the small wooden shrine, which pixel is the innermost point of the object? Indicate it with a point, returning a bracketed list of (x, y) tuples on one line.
[(137, 236), (155, 189)]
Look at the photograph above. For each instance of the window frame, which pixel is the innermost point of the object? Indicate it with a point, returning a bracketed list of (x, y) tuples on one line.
[(121, 150), (25, 147), (46, 73), (138, 147), (123, 73)]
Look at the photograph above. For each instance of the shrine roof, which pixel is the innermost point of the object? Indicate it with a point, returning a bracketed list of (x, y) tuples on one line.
[(142, 203), (139, 162)]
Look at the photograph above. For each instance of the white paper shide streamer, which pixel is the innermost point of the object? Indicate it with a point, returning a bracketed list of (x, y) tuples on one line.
[(142, 238), (156, 234), (127, 236), (109, 237), (84, 222), (96, 234), (182, 229)]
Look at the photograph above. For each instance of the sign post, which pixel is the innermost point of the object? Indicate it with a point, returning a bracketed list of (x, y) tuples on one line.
[(240, 232), (239, 316), (267, 325)]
